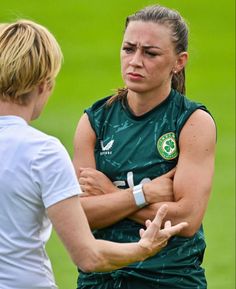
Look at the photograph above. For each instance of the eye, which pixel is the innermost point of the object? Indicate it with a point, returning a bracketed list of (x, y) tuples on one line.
[(128, 49), (150, 53)]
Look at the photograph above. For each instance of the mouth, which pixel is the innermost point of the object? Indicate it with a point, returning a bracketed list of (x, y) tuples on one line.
[(135, 76)]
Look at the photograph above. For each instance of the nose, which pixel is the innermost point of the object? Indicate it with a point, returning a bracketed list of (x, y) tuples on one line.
[(136, 59)]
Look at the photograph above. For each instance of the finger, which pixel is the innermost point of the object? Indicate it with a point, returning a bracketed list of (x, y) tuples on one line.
[(167, 224), (160, 215), (148, 223), (86, 173), (84, 195), (141, 232), (81, 169), (83, 173), (171, 173), (175, 229), (89, 172), (85, 189), (82, 188), (82, 181)]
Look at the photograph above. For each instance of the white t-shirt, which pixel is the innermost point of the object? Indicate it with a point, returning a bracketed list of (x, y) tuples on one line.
[(35, 173)]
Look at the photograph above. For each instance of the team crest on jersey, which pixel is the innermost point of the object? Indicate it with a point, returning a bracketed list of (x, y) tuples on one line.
[(167, 147)]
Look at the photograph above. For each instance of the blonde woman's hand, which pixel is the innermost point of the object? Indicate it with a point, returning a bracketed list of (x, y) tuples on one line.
[(153, 238)]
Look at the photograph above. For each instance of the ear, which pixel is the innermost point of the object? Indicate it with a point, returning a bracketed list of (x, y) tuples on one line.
[(181, 61), (42, 87)]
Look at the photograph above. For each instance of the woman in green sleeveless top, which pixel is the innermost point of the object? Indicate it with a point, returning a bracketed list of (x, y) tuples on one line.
[(127, 145)]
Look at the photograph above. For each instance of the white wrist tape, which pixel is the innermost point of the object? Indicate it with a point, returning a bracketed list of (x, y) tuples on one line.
[(139, 196)]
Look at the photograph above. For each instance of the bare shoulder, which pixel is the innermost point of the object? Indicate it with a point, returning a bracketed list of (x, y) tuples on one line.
[(83, 123), (84, 130), (198, 133), (200, 123), (84, 143), (201, 117)]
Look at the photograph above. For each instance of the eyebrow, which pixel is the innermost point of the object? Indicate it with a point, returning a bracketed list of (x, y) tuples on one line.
[(144, 46)]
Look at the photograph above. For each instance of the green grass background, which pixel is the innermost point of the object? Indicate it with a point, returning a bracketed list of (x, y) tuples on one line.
[(90, 34)]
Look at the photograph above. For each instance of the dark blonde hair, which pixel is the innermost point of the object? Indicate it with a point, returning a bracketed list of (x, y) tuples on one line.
[(29, 55), (179, 36)]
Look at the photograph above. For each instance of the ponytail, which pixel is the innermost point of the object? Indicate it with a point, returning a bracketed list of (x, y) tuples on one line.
[(178, 81), (120, 95)]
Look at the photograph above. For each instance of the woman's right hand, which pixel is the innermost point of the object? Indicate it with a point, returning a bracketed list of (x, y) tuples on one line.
[(160, 189), (94, 182)]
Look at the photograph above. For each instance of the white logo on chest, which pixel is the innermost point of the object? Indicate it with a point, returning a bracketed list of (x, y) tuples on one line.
[(106, 149)]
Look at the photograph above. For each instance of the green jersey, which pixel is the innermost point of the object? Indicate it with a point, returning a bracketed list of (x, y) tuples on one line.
[(135, 149)]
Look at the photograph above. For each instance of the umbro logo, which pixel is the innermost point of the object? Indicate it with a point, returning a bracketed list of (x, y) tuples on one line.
[(106, 149)]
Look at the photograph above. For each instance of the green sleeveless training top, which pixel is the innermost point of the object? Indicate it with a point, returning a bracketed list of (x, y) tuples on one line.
[(133, 149)]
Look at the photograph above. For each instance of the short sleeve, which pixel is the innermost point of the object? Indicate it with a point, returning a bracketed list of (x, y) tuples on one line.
[(95, 113), (187, 108), (53, 173)]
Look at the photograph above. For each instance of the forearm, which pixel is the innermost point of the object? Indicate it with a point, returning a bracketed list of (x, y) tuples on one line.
[(177, 212), (112, 256), (191, 194), (105, 210), (90, 254)]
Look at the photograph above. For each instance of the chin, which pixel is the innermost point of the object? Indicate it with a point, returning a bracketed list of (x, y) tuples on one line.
[(136, 89)]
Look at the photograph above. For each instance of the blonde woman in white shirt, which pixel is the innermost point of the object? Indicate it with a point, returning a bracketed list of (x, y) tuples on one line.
[(38, 184)]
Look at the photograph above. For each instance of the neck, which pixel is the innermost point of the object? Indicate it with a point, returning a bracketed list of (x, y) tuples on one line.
[(142, 102), (27, 112), (23, 111)]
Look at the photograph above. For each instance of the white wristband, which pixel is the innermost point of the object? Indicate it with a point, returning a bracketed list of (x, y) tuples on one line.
[(139, 196)]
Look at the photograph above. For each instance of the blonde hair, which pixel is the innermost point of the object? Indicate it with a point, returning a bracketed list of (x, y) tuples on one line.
[(29, 55)]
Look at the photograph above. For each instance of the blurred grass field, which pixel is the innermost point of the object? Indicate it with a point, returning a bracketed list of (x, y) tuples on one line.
[(90, 35)]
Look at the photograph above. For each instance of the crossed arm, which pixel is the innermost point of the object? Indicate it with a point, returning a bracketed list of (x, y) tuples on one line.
[(191, 184)]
